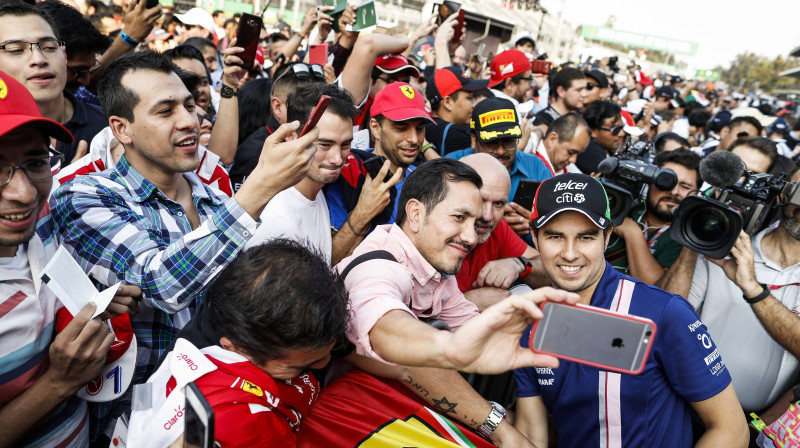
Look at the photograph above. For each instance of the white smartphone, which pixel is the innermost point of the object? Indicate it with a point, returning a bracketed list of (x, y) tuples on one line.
[(594, 336), (199, 427)]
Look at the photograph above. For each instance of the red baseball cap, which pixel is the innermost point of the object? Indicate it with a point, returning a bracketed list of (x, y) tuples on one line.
[(508, 64), (17, 108), (393, 63), (399, 101), (449, 80)]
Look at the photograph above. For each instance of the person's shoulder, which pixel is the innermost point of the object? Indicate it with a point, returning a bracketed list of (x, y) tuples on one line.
[(463, 153), (655, 299)]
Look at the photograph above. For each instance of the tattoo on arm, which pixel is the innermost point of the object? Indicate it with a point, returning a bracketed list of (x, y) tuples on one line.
[(418, 387), (444, 406)]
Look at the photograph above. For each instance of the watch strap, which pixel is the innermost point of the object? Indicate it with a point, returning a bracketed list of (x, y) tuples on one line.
[(764, 294), (227, 92), (487, 428), (526, 264)]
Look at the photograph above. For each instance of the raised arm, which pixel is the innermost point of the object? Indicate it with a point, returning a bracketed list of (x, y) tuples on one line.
[(356, 76), (225, 135)]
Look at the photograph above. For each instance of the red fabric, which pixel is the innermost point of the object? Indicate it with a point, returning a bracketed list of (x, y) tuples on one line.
[(363, 118), (503, 243), (361, 410), (233, 391)]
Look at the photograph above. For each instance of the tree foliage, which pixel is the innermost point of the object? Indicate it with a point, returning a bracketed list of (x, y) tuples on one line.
[(750, 71)]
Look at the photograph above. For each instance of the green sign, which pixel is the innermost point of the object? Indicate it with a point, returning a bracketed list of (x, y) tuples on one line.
[(707, 75), (663, 44)]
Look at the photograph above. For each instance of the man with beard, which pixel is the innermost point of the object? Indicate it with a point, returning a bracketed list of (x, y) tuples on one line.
[(641, 246), (301, 212), (570, 222), (500, 256), (758, 334)]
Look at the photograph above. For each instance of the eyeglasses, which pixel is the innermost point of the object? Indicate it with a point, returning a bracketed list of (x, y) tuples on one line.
[(304, 71), (36, 169), (210, 118), (615, 130), (591, 86), (46, 46), (389, 80), (507, 145), (81, 71)]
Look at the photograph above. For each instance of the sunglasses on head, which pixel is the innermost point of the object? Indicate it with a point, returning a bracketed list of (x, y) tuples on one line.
[(305, 71)]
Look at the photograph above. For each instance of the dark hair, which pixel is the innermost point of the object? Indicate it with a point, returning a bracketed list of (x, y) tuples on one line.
[(699, 118), (692, 106), (216, 13), (598, 112), (660, 141), (563, 77), (763, 145), (435, 105), (285, 81), (429, 183), (185, 52), (118, 100), (483, 93), (277, 297), (200, 43), (254, 106), (684, 157), (566, 126), (300, 103), (746, 119), (20, 9), (191, 80), (74, 29)]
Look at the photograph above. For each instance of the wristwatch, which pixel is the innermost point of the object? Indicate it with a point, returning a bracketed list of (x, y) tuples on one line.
[(491, 423), (227, 92), (525, 264)]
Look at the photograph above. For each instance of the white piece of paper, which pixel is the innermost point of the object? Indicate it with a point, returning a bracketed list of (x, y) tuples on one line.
[(64, 276)]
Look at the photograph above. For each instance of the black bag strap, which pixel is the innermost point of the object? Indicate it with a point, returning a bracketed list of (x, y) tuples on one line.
[(374, 255)]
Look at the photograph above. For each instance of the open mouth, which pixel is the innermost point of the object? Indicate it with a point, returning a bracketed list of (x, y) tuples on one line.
[(17, 216), (570, 270)]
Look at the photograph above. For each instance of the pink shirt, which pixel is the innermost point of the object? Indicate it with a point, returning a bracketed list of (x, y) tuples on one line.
[(379, 286)]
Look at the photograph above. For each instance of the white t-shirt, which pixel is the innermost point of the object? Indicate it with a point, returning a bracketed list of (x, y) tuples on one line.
[(291, 215)]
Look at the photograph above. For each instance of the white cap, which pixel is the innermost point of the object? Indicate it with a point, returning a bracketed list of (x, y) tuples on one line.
[(197, 16), (524, 35)]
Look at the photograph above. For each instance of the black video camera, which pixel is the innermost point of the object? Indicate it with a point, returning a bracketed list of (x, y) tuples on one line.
[(709, 225), (625, 175)]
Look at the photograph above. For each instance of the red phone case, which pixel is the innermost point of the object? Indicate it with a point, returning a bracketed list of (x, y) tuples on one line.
[(316, 114), (318, 54), (600, 311)]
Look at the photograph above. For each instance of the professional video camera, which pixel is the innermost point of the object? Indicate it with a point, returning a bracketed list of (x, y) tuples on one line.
[(710, 224), (625, 175)]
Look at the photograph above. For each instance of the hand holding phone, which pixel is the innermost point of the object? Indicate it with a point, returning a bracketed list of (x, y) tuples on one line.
[(316, 114), (247, 37), (526, 192), (594, 336)]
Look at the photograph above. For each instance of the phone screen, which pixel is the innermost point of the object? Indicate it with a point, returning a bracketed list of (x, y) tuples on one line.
[(583, 334), (199, 419), (247, 37), (526, 192)]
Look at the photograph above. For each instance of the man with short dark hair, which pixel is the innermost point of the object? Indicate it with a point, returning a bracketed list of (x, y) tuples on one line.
[(759, 154), (607, 131), (739, 127), (31, 52), (262, 326), (511, 76), (565, 141), (642, 246), (301, 212), (571, 226), (139, 222), (596, 87), (567, 94), (450, 96)]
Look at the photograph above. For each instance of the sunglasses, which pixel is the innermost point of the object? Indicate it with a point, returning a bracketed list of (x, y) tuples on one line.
[(615, 130), (210, 118), (591, 86), (304, 71)]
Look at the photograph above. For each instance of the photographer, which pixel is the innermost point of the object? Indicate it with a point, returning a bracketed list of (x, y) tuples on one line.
[(641, 246), (759, 334)]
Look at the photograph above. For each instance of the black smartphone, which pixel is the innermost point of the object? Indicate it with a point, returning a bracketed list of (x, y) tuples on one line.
[(247, 37), (151, 4), (374, 165), (199, 423), (316, 114), (526, 192)]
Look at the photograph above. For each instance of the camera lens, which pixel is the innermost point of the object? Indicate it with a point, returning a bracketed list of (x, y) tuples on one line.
[(708, 228)]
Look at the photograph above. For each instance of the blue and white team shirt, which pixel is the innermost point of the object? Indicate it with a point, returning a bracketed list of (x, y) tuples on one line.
[(593, 407)]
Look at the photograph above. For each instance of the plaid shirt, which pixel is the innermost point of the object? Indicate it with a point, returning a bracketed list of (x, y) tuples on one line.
[(122, 228)]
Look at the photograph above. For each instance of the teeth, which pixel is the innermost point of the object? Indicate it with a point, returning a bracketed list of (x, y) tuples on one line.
[(571, 268), (187, 143), (15, 217)]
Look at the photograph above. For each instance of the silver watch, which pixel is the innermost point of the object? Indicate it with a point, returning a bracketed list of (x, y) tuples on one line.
[(491, 423)]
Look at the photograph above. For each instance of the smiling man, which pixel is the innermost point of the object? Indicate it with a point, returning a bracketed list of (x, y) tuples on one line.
[(571, 223), (142, 220), (31, 52)]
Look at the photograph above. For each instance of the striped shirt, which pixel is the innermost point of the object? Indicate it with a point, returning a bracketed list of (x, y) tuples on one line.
[(27, 314), (122, 228)]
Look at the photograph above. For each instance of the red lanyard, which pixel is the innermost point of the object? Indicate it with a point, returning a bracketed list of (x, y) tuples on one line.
[(546, 163), (652, 241), (774, 287)]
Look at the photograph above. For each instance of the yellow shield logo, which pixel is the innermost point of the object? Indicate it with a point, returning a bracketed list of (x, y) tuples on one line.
[(3, 89), (247, 386), (408, 91)]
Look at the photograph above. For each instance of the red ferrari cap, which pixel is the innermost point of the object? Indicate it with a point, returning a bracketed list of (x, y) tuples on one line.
[(508, 64), (17, 108), (393, 63), (399, 101)]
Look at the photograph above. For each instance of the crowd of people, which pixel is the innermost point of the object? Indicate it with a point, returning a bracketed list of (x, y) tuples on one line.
[(331, 287)]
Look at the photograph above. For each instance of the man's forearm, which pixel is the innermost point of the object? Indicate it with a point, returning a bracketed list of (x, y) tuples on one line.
[(24, 412), (447, 392), (485, 297), (225, 134), (643, 264), (678, 278), (356, 76), (779, 322), (349, 235), (538, 277)]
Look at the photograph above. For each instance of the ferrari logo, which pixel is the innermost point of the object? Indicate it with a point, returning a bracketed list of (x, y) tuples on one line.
[(3, 89), (408, 91), (247, 386)]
